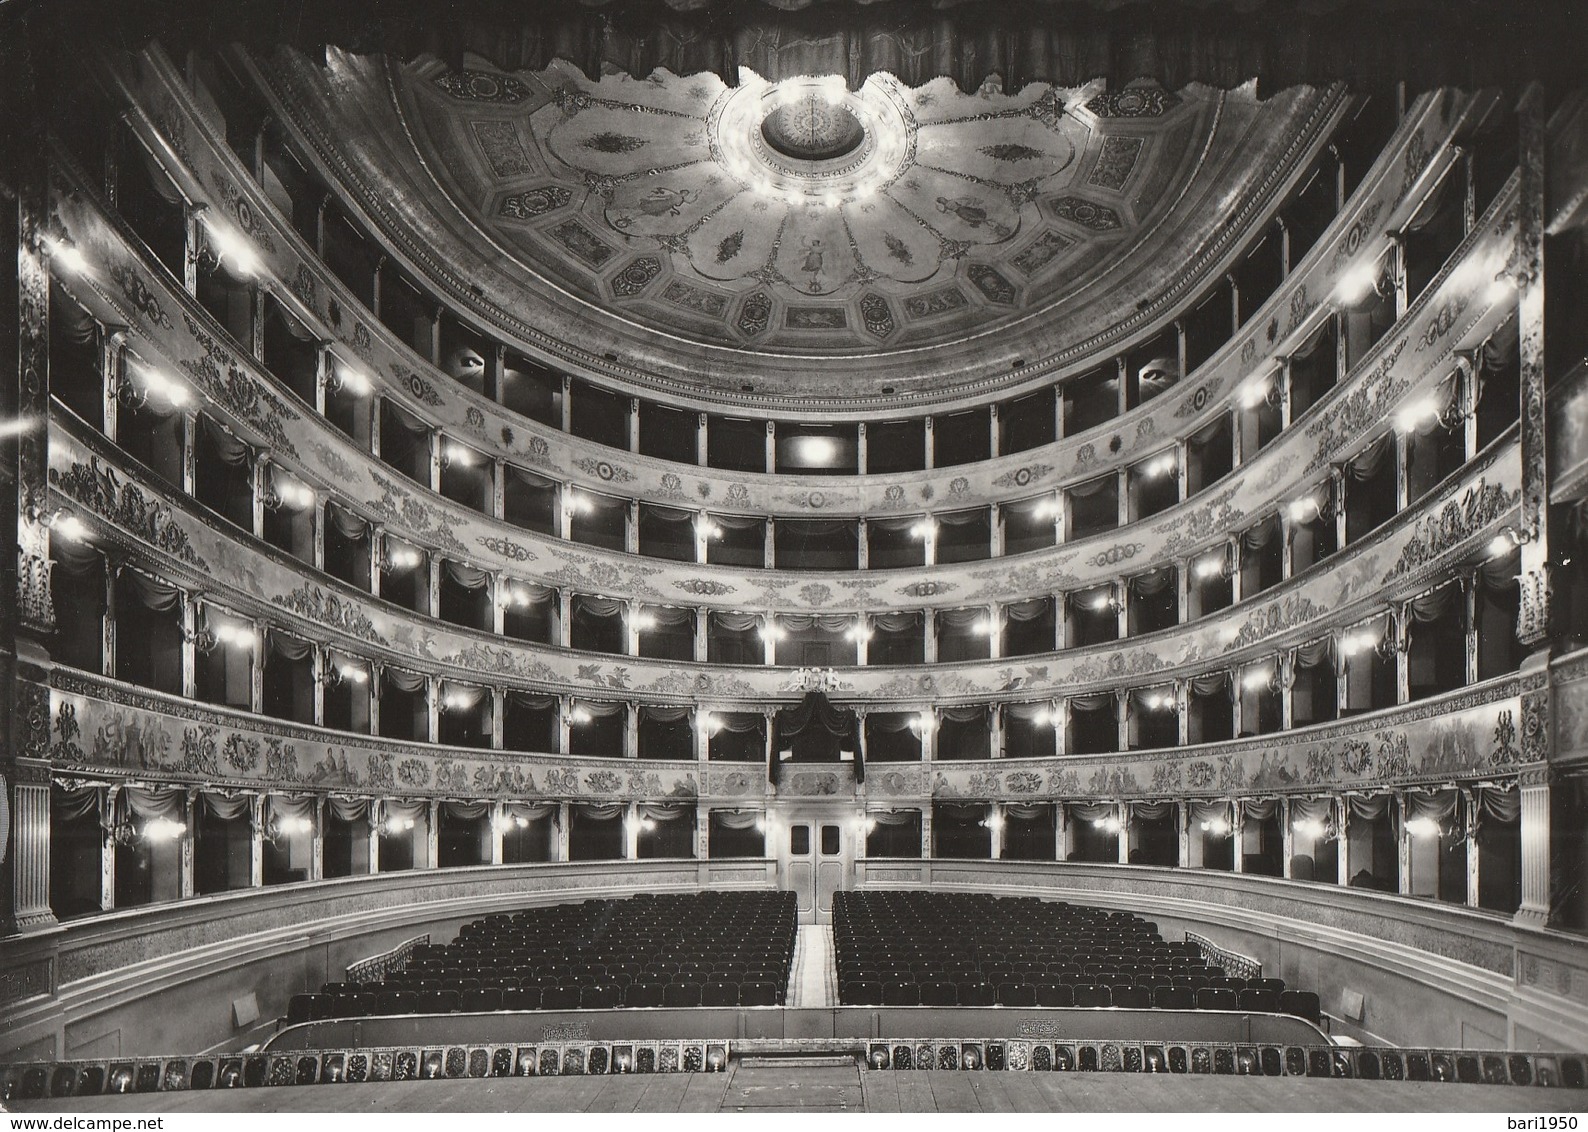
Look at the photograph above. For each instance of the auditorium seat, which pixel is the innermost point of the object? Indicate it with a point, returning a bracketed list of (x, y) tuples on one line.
[(521, 998), (300, 1008), (938, 993), (1017, 994), (480, 1001), (1303, 1004), (719, 994), (901, 994), (559, 998), (644, 994), (1093, 995), (863, 992), (1055, 994), (681, 995), (758, 994), (1259, 1001), (1173, 998), (1133, 998), (1216, 998), (602, 996), (978, 994)]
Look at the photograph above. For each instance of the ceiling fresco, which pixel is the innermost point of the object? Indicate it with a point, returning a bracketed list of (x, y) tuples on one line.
[(806, 218)]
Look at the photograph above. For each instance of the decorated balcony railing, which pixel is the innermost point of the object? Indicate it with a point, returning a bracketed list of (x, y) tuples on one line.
[(1414, 551), (1459, 312)]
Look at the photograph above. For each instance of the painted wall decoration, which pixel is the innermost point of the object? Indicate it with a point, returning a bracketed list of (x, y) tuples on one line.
[(501, 434), (1466, 736), (1349, 585), (101, 729)]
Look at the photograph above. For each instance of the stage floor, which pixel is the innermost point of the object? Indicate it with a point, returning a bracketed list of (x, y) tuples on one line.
[(748, 1087)]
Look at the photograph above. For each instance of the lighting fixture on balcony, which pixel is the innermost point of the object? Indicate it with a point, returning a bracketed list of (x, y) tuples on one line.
[(1353, 643), (454, 701), (230, 245), (924, 723), (1107, 825), (579, 716), (994, 821), (1159, 466), (923, 529), (771, 631), (63, 524), (1501, 290), (279, 829), (163, 829), (353, 674), (708, 723), (987, 627), (402, 558), (1423, 827), (706, 529), (1257, 680), (350, 380), (643, 621), (1503, 543), (453, 453), (234, 635), (575, 504), (1218, 827), (1309, 827), (1254, 392), (1210, 566), (1416, 414), (1302, 511), (69, 256), (394, 826), (858, 632), (1357, 284)]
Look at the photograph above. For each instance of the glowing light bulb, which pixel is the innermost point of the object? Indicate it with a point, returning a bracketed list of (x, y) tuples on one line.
[(1357, 283)]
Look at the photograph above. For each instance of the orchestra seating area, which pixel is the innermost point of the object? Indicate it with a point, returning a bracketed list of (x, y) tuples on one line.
[(673, 950), (964, 949)]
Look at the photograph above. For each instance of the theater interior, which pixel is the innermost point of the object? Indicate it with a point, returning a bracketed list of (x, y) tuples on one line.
[(688, 555)]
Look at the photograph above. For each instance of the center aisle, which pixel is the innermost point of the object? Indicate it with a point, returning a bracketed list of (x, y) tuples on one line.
[(813, 981)]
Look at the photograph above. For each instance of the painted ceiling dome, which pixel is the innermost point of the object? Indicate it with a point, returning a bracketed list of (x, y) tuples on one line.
[(682, 236)]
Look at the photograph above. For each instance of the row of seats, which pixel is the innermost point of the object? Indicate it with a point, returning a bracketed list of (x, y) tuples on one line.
[(652, 950), (1301, 1003)]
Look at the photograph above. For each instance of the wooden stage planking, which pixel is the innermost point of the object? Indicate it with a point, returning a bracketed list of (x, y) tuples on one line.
[(785, 1088)]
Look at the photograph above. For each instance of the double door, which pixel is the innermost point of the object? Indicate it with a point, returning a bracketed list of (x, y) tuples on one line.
[(816, 857)]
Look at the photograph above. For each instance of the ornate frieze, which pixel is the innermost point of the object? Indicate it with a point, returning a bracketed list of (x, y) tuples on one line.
[(100, 728), (273, 589)]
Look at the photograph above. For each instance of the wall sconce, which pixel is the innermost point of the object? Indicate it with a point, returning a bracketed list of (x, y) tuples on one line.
[(289, 494), (1211, 565), (1302, 511), (643, 621), (349, 673), (1503, 543), (576, 504), (1423, 827), (391, 827), (453, 701), (771, 631), (1167, 464), (69, 256), (1255, 392), (638, 824), (706, 529), (1158, 701), (1359, 642), (708, 723), (924, 529), (62, 523), (858, 632), (1309, 827), (453, 453), (280, 829), (1103, 600), (1358, 283), (579, 716), (1218, 827), (1048, 509), (507, 823), (1258, 680), (151, 383), (1107, 825), (121, 833), (345, 379), (163, 829), (993, 822), (224, 244), (401, 558), (924, 723), (988, 627)]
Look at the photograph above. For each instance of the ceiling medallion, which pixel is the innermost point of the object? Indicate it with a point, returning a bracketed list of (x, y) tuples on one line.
[(810, 127)]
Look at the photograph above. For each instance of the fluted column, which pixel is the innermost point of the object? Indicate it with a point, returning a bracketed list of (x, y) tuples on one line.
[(1535, 848), (498, 830), (107, 847), (30, 859), (1123, 810), (564, 820), (317, 840)]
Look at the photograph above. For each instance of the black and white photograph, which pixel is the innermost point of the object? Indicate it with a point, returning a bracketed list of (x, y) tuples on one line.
[(754, 557)]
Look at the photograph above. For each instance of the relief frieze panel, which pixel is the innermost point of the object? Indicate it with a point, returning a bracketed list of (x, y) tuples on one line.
[(1351, 585), (100, 729), (505, 435), (1467, 736)]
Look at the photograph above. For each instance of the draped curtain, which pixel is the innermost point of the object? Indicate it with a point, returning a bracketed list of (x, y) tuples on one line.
[(1028, 811), (1092, 811), (465, 811), (739, 819), (405, 681), (665, 811), (346, 523), (289, 647), (1029, 610), (232, 451), (152, 802), (349, 809), (531, 811), (893, 817), (151, 593), (664, 714), (73, 802), (227, 806), (466, 576), (289, 807)]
